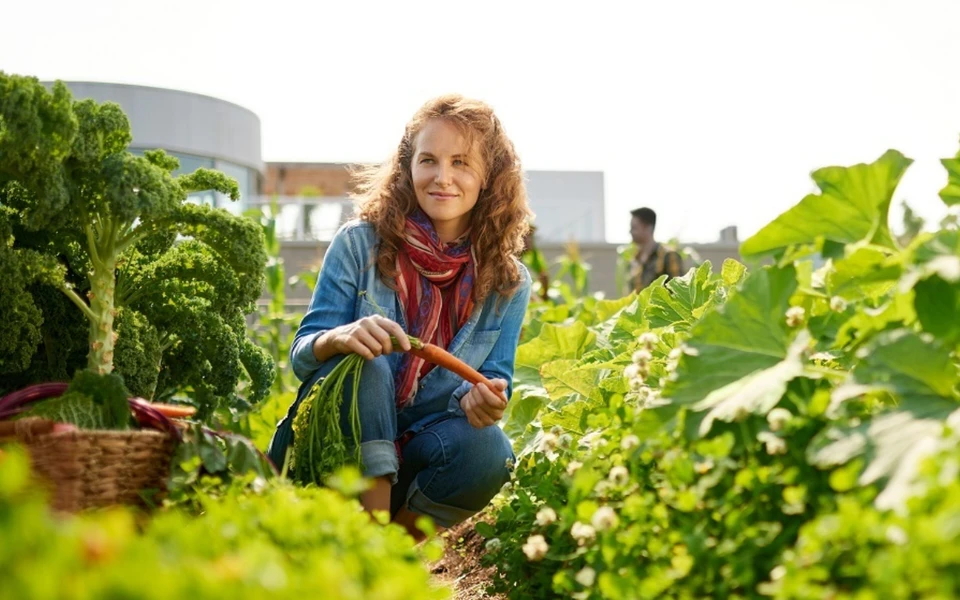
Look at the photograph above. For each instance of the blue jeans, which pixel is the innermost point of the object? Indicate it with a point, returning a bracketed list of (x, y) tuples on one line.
[(450, 470)]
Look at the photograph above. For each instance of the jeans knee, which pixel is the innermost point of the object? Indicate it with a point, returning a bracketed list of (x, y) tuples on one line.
[(377, 375), (493, 449), (476, 466)]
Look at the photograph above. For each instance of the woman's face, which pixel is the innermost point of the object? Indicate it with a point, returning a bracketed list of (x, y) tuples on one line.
[(447, 177)]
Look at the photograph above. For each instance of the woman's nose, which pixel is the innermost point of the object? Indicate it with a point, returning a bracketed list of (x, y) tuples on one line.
[(443, 175)]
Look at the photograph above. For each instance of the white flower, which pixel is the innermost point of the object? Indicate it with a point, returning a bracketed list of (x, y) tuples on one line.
[(549, 442), (703, 467), (509, 464), (637, 384), (778, 573), (546, 516), (565, 440), (604, 518), (795, 316), (838, 304), (778, 417), (556, 430), (619, 475), (896, 535), (675, 354), (631, 372), (535, 548), (642, 357), (586, 576), (507, 487), (573, 467), (583, 533), (629, 442), (492, 545), (774, 445), (649, 339), (602, 488), (594, 438)]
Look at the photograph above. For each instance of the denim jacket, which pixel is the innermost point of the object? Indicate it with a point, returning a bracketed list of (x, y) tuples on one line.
[(349, 280)]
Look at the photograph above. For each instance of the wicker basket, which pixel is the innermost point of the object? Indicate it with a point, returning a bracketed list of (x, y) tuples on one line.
[(92, 469)]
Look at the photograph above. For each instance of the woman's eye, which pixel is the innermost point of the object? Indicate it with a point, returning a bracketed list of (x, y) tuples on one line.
[(459, 162), (424, 161)]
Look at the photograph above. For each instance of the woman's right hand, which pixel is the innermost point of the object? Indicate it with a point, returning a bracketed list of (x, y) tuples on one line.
[(369, 337)]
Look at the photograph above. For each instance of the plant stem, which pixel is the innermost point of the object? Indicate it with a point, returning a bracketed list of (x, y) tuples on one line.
[(76, 299)]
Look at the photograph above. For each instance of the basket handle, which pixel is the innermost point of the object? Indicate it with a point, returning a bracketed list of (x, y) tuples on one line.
[(16, 402)]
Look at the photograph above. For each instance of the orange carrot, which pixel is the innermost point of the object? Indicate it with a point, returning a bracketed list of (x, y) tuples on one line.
[(438, 356), (173, 411)]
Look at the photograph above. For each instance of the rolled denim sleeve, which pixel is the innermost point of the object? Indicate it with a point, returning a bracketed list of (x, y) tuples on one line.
[(333, 302), (499, 364)]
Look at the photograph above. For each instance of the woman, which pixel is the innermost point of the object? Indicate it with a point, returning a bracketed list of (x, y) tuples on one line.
[(433, 254)]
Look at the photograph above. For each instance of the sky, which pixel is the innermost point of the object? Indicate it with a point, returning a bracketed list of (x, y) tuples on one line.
[(713, 113)]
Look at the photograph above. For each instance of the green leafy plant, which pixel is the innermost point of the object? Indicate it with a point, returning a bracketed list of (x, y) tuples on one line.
[(747, 432), (242, 541), (160, 285)]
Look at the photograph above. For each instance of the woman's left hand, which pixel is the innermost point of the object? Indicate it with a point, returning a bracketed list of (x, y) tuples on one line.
[(483, 406)]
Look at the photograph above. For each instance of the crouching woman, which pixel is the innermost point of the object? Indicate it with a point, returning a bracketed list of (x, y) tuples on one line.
[(434, 253)]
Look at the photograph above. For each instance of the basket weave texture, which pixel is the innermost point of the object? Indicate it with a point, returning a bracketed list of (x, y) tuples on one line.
[(93, 469)]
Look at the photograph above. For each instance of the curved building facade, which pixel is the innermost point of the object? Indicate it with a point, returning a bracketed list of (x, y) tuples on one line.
[(199, 130)]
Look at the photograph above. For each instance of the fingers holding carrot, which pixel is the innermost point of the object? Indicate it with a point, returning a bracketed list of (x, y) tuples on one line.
[(484, 406), (369, 337)]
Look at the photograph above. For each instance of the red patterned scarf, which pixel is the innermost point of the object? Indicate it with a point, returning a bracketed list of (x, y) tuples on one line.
[(435, 285)]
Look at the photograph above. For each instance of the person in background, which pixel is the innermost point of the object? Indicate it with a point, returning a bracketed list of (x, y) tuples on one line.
[(652, 259)]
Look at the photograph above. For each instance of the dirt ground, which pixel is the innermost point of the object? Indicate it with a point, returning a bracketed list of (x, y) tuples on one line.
[(460, 566)]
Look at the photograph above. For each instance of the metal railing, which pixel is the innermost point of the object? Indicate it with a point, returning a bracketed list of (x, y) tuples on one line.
[(306, 218)]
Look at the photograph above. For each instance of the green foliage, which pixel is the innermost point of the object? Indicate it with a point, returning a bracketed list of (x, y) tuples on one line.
[(744, 433), (211, 462), (852, 207), (83, 215), (278, 541), (91, 401), (319, 445), (78, 409), (20, 313), (856, 548), (276, 328), (137, 354)]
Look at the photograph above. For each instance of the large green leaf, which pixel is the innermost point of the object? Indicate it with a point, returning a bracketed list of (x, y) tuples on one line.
[(757, 392), (732, 272), (607, 309), (852, 206), (632, 320), (867, 322), (950, 194), (523, 408), (562, 378), (676, 303), (570, 417), (937, 304), (894, 444), (746, 335), (553, 342), (921, 375), (908, 366), (868, 272)]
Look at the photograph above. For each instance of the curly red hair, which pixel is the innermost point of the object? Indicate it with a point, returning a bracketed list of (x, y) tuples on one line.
[(500, 218)]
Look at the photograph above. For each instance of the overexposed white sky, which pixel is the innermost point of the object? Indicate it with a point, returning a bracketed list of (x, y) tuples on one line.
[(711, 112)]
